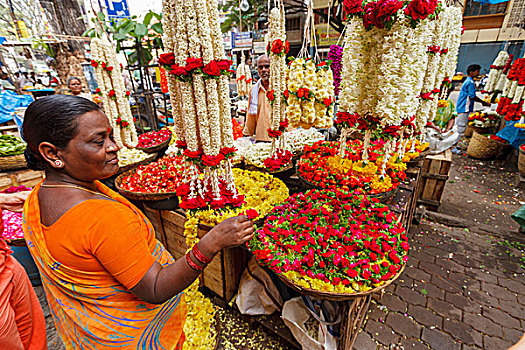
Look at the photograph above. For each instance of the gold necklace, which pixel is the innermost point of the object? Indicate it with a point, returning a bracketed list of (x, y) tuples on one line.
[(78, 188)]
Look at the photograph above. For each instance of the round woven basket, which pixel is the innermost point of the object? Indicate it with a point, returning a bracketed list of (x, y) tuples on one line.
[(139, 196), (286, 170), (13, 162), (337, 296), (129, 167), (157, 148), (471, 129), (521, 161), (482, 147)]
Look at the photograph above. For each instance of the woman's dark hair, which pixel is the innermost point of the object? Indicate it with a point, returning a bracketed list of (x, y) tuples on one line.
[(52, 119), (70, 79)]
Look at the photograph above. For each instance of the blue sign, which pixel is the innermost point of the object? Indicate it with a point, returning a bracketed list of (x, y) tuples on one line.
[(117, 8)]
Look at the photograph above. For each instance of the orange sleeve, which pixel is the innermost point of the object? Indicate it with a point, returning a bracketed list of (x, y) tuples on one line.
[(119, 241)]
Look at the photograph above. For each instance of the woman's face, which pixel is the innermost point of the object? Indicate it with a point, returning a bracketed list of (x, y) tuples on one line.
[(75, 86), (92, 153)]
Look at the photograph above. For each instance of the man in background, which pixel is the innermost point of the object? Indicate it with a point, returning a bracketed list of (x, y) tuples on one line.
[(467, 94), (258, 117)]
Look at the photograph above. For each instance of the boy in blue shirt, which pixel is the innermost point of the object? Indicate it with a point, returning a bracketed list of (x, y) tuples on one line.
[(468, 92)]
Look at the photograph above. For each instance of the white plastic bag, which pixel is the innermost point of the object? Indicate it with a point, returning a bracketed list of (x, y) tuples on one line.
[(257, 293), (295, 316)]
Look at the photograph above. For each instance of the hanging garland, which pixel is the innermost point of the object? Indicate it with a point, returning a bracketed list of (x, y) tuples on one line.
[(112, 90), (243, 78), (199, 84)]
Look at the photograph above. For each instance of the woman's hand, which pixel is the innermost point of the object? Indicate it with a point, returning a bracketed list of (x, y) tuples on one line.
[(13, 201), (231, 232)]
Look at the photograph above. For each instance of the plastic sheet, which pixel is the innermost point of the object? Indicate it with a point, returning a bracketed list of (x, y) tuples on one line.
[(515, 136)]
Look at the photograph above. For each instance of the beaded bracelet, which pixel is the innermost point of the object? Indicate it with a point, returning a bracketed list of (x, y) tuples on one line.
[(199, 256), (192, 264)]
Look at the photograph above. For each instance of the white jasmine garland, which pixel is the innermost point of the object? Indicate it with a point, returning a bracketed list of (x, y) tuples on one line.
[(496, 71)]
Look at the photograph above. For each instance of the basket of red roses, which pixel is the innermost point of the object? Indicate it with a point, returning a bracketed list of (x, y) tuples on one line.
[(332, 245), (154, 141), (156, 181)]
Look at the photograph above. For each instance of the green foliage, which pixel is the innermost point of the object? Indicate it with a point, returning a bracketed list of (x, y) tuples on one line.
[(40, 44), (258, 8), (123, 30)]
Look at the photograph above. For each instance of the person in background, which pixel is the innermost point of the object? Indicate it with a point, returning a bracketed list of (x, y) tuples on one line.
[(258, 116), (109, 283), (53, 81), (22, 322), (6, 83), (75, 88), (467, 94), (33, 78), (22, 80), (29, 81)]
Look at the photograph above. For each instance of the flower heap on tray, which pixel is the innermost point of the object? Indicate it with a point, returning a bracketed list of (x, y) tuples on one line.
[(152, 139), (396, 56), (484, 119), (323, 167), (310, 94), (199, 75), (162, 176), (113, 92), (332, 241)]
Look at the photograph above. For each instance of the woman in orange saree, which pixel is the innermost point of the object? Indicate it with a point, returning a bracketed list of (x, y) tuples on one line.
[(109, 283)]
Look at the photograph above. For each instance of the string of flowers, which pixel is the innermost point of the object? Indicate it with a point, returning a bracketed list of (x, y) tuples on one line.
[(198, 73), (512, 98), (243, 78), (335, 55), (111, 87), (496, 71)]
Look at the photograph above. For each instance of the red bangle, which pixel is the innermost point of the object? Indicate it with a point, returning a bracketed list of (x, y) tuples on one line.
[(199, 256), (192, 264)]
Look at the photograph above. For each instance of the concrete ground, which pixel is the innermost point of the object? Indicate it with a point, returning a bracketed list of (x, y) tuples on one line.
[(464, 286)]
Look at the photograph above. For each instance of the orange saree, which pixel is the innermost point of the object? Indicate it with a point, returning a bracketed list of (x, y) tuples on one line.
[(89, 259)]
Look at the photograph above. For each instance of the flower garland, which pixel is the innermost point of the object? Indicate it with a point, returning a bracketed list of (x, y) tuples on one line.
[(332, 241), (335, 55), (496, 71), (111, 87), (277, 49), (513, 95), (243, 78), (199, 88), (484, 119), (310, 94)]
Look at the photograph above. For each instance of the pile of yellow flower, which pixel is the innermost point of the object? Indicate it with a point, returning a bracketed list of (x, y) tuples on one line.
[(262, 192)]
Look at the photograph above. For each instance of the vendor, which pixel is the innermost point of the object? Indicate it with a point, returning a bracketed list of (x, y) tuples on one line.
[(22, 322), (52, 81), (258, 117), (108, 281), (75, 88), (468, 94)]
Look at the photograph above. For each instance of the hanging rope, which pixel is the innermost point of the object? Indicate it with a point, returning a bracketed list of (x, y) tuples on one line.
[(328, 24), (307, 31)]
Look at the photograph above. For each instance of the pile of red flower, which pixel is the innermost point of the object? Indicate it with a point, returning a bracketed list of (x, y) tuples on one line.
[(154, 138), (194, 65), (280, 159), (161, 176), (332, 241), (313, 166), (497, 138)]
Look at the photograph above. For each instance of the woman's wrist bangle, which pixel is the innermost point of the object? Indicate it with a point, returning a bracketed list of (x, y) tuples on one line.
[(203, 259), (192, 264)]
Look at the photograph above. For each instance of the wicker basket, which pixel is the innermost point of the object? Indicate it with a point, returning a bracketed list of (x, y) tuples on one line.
[(482, 147), (157, 148), (471, 129), (13, 162), (139, 196), (337, 296), (521, 160)]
